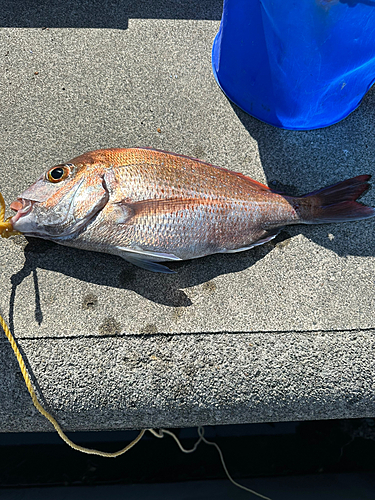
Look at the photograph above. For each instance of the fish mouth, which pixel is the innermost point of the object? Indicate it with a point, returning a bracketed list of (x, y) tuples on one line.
[(22, 207)]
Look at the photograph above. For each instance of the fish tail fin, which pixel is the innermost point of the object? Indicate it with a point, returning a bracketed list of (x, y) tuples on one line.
[(337, 203)]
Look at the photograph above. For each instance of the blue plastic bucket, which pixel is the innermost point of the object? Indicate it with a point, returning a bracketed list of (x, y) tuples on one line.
[(296, 64)]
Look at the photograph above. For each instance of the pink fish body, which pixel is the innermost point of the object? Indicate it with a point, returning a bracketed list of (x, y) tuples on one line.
[(150, 206)]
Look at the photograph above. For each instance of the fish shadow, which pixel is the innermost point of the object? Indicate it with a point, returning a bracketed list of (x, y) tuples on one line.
[(114, 272)]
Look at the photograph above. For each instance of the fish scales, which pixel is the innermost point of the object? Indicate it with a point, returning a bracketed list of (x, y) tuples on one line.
[(150, 206), (145, 174), (185, 224)]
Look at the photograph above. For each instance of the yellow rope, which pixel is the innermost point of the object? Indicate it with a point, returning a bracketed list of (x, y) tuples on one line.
[(2, 208), (6, 230), (47, 415), (162, 432)]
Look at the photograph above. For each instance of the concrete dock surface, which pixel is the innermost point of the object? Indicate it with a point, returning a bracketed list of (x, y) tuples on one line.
[(284, 331)]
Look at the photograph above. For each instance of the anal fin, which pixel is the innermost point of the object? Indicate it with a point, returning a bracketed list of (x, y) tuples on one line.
[(269, 235)]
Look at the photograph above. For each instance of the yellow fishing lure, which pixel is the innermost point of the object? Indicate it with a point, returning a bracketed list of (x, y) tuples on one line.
[(6, 228)]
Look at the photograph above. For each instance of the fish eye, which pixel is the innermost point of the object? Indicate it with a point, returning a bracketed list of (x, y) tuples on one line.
[(58, 174)]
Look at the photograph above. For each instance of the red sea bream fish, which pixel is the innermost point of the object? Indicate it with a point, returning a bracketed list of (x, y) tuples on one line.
[(151, 206)]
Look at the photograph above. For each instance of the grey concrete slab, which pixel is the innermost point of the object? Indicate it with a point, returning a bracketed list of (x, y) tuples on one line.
[(284, 331)]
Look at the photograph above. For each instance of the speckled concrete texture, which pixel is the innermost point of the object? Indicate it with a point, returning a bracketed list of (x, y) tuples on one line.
[(282, 332)]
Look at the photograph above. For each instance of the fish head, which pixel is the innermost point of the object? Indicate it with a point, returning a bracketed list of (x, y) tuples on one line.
[(61, 202)]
